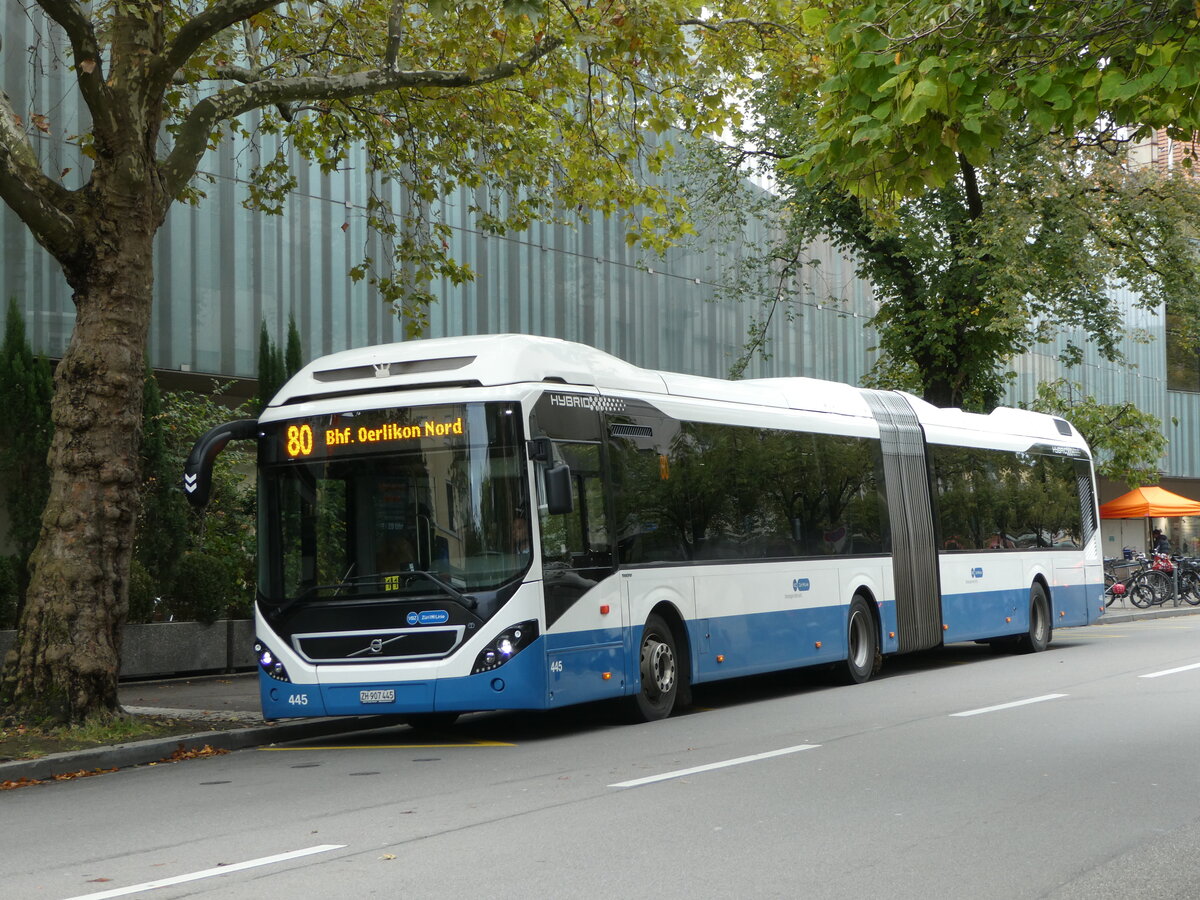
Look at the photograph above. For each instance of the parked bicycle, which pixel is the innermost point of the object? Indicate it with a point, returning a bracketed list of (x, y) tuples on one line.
[(1154, 584), (1119, 576), (1145, 582), (1189, 579), (1153, 581)]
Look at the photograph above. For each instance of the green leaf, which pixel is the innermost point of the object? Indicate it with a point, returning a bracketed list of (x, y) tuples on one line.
[(914, 110), (1041, 84), (928, 89), (1113, 85), (813, 17), (1060, 98)]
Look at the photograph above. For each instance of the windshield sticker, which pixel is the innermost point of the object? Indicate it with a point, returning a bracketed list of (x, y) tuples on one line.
[(428, 617)]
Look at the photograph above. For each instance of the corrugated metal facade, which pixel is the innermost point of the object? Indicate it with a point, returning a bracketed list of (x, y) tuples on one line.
[(222, 270)]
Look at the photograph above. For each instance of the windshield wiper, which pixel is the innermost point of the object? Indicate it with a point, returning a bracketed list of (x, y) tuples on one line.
[(309, 593), (313, 591), (465, 599)]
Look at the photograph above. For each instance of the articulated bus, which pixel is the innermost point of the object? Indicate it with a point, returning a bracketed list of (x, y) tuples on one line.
[(516, 522)]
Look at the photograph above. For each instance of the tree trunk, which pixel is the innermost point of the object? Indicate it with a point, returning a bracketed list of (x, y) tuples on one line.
[(64, 665), (938, 390)]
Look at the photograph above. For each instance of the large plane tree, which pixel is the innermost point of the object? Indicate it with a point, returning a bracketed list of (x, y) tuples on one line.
[(537, 105)]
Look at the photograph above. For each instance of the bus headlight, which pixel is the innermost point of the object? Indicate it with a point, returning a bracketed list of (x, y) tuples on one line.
[(268, 663), (505, 646)]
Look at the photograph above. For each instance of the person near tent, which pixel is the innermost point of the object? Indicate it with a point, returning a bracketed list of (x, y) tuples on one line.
[(1159, 542)]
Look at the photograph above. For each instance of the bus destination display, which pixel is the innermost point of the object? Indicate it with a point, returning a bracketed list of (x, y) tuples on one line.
[(331, 436)]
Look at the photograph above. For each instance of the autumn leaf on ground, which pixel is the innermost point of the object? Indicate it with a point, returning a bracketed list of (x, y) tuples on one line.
[(18, 783), (82, 773), (195, 753)]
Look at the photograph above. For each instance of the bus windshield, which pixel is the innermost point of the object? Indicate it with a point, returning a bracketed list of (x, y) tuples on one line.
[(399, 502)]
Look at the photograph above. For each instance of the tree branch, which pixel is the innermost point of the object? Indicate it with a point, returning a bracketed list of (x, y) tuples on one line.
[(37, 200), (395, 31), (761, 26), (192, 142), (199, 29), (242, 75), (971, 188), (71, 17)]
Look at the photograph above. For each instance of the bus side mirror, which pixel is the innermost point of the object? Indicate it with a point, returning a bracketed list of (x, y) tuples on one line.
[(558, 489), (197, 471)]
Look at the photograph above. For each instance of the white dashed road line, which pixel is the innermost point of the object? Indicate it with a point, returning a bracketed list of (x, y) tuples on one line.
[(680, 773), (1171, 671), (208, 873), (997, 708)]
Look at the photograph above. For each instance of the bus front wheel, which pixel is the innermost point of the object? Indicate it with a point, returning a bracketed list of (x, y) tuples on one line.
[(862, 642), (659, 667), (1041, 626)]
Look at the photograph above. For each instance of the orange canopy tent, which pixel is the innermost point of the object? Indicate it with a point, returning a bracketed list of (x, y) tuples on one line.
[(1149, 501)]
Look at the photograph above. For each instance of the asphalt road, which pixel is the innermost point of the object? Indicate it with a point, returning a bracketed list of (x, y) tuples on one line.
[(960, 773)]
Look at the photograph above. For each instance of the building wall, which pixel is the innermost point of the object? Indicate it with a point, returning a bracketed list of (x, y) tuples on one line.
[(221, 270)]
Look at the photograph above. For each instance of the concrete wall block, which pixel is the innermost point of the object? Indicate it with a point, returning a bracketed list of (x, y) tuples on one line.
[(177, 648)]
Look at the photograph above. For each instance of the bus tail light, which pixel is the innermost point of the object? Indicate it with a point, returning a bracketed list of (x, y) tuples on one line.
[(505, 646), (269, 664)]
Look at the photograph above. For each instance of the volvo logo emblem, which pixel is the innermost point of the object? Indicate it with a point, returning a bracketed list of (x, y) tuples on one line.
[(376, 646)]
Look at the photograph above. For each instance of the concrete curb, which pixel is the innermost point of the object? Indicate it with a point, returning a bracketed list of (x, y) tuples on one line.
[(139, 753), (1135, 614)]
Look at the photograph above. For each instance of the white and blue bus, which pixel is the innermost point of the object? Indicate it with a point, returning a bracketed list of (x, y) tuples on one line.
[(516, 522)]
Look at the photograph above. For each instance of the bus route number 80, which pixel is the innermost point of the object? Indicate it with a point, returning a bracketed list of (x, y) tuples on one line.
[(299, 440)]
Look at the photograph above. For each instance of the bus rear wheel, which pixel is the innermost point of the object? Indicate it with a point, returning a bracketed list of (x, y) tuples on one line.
[(659, 668), (1041, 626), (862, 643)]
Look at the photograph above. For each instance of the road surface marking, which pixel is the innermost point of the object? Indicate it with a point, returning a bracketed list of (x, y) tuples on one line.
[(988, 709), (1171, 671), (680, 773), (208, 873), (1090, 635), (464, 744)]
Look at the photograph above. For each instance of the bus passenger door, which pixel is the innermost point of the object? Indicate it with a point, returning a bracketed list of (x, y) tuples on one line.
[(584, 624)]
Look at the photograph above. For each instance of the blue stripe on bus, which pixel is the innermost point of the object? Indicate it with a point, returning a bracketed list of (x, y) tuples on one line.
[(763, 642), (980, 615), (281, 700), (518, 684), (567, 668)]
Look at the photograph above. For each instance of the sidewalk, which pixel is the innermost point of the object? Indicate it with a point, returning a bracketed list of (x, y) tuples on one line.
[(1123, 611), (232, 702)]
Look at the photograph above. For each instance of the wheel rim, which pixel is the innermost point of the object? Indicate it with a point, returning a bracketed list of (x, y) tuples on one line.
[(860, 640), (1141, 596), (1039, 621), (658, 667)]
